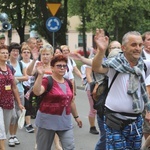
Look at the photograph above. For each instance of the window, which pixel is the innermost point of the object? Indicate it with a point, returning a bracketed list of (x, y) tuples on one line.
[(80, 40), (26, 36), (66, 39)]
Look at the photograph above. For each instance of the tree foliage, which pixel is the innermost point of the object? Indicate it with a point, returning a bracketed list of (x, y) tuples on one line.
[(43, 14), (27, 12), (79, 8), (20, 14), (118, 17)]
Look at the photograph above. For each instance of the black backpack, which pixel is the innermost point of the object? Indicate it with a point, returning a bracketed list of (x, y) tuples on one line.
[(102, 92), (35, 100)]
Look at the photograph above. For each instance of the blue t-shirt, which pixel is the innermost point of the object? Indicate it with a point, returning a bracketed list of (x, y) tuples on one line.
[(18, 73)]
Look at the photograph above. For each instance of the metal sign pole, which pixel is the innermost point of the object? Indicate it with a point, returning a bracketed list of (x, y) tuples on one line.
[(53, 39), (53, 24)]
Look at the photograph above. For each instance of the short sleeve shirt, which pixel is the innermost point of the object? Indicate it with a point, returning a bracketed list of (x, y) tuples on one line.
[(6, 94)]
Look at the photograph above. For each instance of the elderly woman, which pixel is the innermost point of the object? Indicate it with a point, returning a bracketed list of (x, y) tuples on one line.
[(54, 114), (46, 54), (26, 55), (20, 76), (8, 93)]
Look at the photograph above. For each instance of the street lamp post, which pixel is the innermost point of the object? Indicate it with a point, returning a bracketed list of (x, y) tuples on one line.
[(5, 26)]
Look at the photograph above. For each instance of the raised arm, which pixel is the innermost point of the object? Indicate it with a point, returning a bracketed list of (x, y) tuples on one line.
[(77, 56), (38, 89), (102, 43), (30, 69)]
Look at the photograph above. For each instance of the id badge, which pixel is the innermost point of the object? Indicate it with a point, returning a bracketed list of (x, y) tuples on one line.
[(7, 87)]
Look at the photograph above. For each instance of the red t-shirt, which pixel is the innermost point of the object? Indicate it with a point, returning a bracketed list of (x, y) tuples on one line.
[(6, 94)]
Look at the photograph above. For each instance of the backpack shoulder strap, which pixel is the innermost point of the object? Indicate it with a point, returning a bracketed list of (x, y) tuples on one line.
[(143, 55), (21, 66), (69, 82), (71, 61), (11, 67), (93, 75), (116, 74), (145, 68), (50, 83)]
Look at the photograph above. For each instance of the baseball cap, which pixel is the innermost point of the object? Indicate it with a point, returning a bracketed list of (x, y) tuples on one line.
[(2, 36)]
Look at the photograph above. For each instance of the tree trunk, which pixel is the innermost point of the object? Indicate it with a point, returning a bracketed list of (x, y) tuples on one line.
[(21, 33)]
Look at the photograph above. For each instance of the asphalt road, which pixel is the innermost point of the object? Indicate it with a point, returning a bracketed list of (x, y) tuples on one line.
[(83, 139)]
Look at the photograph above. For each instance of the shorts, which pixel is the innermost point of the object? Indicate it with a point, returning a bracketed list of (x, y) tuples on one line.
[(2, 126), (146, 125), (16, 110)]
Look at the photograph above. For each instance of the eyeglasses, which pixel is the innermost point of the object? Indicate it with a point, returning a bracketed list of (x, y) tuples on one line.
[(65, 50), (15, 50), (4, 53), (26, 52), (61, 66)]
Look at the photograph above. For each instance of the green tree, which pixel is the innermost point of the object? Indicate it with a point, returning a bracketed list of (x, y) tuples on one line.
[(60, 36), (20, 13), (27, 12), (119, 17), (115, 16), (82, 12)]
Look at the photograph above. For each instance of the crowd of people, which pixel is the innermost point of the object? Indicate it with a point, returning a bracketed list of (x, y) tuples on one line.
[(127, 103)]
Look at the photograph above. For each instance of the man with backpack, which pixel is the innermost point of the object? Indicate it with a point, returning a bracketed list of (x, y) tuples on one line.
[(127, 96)]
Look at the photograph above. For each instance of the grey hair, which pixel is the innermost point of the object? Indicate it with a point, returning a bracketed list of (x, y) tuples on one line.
[(47, 47), (125, 38)]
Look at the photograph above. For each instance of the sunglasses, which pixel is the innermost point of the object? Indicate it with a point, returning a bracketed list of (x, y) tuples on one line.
[(61, 66)]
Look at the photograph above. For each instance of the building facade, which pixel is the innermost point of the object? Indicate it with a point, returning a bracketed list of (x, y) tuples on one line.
[(73, 37)]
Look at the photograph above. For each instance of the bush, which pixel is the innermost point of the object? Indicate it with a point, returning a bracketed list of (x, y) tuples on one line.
[(79, 64), (81, 52)]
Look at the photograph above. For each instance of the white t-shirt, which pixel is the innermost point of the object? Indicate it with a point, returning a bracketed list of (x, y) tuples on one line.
[(27, 83), (147, 80), (146, 55), (69, 75), (118, 99), (71, 64)]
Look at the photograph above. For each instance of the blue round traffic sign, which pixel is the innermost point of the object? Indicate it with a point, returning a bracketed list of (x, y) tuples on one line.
[(53, 24)]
